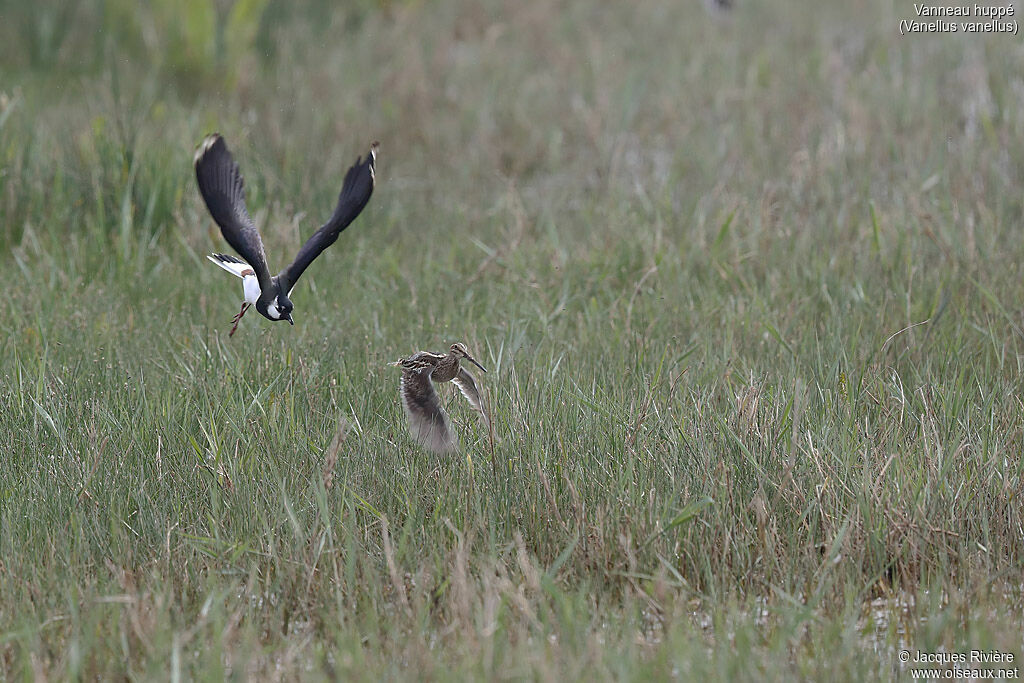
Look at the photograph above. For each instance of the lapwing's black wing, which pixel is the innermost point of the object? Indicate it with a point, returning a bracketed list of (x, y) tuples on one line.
[(355, 193), (223, 190)]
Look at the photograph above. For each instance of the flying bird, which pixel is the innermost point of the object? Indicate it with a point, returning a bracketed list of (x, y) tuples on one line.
[(223, 190), (428, 420)]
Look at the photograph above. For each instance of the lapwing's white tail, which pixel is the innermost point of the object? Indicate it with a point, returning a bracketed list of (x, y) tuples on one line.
[(235, 266)]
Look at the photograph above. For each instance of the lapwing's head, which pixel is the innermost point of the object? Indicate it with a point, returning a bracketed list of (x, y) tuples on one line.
[(280, 308), (284, 308), (459, 350)]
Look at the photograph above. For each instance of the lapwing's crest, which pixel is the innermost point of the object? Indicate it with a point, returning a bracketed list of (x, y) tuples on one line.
[(223, 190)]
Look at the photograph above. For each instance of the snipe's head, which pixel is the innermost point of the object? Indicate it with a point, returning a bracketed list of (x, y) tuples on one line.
[(459, 350)]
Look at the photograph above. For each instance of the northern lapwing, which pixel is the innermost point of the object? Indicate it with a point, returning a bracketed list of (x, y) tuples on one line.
[(223, 190), (428, 420)]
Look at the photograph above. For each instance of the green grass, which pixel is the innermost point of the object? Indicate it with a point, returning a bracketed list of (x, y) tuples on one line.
[(747, 287)]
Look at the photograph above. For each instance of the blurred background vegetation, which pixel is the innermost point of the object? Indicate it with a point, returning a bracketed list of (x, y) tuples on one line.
[(195, 39), (748, 284)]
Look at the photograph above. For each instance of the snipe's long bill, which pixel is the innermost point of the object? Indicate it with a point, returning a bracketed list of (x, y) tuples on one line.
[(428, 421), (223, 190)]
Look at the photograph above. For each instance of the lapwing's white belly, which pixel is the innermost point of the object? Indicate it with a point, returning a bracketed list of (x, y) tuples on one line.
[(250, 289)]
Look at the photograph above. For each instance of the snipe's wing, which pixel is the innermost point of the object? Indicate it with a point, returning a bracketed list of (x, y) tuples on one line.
[(467, 385), (428, 421)]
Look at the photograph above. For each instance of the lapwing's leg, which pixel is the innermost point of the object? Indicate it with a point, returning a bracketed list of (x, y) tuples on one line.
[(245, 307)]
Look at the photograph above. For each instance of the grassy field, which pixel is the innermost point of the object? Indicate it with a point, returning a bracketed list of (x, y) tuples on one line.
[(748, 289)]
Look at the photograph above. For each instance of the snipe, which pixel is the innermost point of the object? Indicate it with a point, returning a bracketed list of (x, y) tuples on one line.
[(428, 421)]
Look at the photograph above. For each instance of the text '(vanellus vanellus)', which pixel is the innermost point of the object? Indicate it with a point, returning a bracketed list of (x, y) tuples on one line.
[(223, 190)]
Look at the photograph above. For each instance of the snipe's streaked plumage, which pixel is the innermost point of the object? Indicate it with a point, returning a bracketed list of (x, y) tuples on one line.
[(428, 421)]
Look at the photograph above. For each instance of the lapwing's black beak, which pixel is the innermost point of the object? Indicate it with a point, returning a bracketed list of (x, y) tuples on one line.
[(288, 317)]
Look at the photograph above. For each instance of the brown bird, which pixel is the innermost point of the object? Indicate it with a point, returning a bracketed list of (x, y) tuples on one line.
[(428, 421)]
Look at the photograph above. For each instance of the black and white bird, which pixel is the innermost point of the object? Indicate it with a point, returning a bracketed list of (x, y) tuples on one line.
[(223, 190)]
